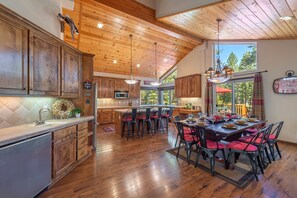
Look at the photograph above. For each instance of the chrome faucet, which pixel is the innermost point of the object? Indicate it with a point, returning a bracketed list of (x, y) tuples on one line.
[(40, 121)]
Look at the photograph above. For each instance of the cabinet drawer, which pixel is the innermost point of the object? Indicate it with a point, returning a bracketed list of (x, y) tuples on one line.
[(82, 126), (63, 133), (81, 142), (82, 133), (82, 152)]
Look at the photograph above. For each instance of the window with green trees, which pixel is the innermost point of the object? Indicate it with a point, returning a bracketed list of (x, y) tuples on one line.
[(148, 97), (168, 97), (171, 78), (236, 95)]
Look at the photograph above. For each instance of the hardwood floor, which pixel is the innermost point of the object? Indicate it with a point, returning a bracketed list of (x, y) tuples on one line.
[(142, 168)]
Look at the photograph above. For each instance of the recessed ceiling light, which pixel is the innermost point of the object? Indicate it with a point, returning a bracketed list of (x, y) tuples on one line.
[(137, 65), (114, 61), (286, 18), (100, 25), (165, 60)]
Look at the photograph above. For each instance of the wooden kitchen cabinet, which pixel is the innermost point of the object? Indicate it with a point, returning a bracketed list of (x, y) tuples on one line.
[(14, 56), (82, 140), (71, 67), (120, 85), (134, 90), (188, 86), (44, 61), (104, 116), (64, 151), (106, 88)]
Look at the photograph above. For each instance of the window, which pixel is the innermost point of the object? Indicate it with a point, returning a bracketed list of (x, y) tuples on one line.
[(170, 78), (235, 96), (168, 97), (240, 56), (148, 97)]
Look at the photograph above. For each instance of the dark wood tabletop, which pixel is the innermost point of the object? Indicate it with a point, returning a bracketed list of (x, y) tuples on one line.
[(223, 132)]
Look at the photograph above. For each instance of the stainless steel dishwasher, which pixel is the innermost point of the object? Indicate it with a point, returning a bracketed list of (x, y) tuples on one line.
[(25, 167)]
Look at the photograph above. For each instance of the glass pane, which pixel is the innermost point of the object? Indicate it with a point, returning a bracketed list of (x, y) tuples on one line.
[(168, 97), (149, 97), (224, 97), (240, 57), (243, 97), (171, 77)]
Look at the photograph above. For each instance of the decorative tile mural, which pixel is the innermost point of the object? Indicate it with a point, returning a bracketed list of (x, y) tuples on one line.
[(22, 110)]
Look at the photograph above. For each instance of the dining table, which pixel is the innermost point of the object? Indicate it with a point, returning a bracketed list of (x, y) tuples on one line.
[(223, 132)]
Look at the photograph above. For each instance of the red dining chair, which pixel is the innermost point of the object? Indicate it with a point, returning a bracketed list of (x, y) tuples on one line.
[(272, 140), (188, 139), (209, 147), (250, 150), (260, 142)]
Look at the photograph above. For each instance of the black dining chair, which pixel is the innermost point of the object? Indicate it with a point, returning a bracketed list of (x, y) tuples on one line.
[(209, 147), (187, 139), (272, 140)]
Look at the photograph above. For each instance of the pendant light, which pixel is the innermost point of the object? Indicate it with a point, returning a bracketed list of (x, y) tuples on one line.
[(216, 74), (131, 81), (157, 82)]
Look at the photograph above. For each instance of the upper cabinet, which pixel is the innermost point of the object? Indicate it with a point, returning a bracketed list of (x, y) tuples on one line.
[(106, 88), (134, 90), (71, 66), (13, 57), (34, 62), (188, 86), (44, 64), (120, 85)]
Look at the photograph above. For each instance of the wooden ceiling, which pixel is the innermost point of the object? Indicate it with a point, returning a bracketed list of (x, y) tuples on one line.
[(242, 19), (112, 42)]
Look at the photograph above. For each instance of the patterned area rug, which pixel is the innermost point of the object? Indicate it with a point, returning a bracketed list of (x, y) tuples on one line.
[(108, 129), (241, 176)]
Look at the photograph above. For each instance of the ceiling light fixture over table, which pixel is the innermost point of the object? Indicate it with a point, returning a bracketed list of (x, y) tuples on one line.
[(216, 74), (131, 81), (157, 82)]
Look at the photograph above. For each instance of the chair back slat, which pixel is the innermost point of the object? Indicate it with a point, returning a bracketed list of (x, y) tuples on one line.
[(263, 134), (134, 113), (203, 134), (277, 127), (180, 129), (147, 113), (159, 112)]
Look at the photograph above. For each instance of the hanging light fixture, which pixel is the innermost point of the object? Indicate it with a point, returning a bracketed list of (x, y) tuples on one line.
[(157, 82), (131, 81), (217, 74)]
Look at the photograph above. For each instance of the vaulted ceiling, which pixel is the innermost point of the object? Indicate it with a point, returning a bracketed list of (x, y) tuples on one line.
[(112, 42), (176, 35)]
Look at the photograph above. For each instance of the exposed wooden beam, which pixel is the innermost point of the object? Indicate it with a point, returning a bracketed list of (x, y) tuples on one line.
[(146, 14)]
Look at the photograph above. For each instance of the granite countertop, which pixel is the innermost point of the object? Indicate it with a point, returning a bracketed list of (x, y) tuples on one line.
[(22, 132)]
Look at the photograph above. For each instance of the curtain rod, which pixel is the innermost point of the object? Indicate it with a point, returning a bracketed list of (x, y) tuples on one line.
[(250, 73)]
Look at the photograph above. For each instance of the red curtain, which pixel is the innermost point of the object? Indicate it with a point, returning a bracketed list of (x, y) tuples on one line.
[(209, 98), (258, 97)]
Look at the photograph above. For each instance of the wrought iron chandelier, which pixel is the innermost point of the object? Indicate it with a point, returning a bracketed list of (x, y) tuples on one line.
[(131, 81), (217, 74), (157, 82)]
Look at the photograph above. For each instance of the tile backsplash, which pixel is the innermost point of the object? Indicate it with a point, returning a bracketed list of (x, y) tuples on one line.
[(101, 102), (22, 110)]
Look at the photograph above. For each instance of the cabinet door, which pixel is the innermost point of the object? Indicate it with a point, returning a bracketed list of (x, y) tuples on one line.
[(110, 88), (103, 87), (71, 67), (13, 58), (106, 116), (64, 153), (134, 90), (44, 65), (177, 88), (194, 86), (120, 85)]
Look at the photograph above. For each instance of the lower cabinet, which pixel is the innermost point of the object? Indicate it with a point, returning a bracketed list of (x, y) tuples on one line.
[(82, 140), (64, 151), (105, 116), (69, 147)]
